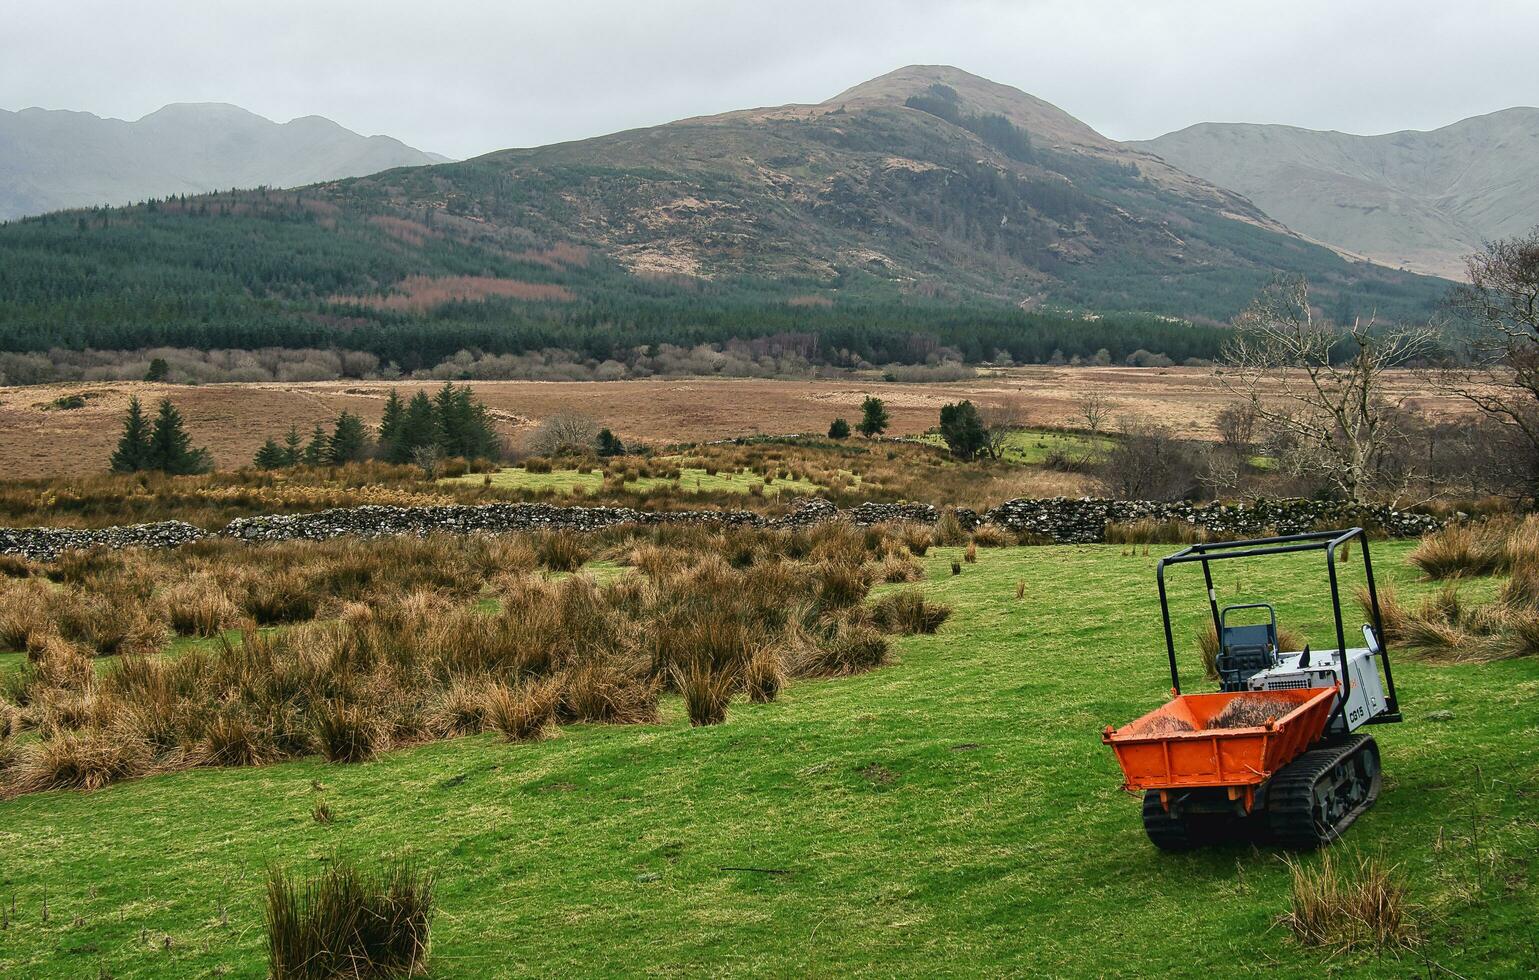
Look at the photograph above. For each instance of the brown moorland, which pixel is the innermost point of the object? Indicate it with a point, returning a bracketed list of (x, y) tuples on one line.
[(232, 420)]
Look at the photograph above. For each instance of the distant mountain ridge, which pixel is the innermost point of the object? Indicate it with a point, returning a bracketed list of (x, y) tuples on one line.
[(1412, 199), (925, 208), (55, 159)]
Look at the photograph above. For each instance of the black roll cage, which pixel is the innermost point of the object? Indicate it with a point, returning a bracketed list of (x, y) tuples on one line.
[(1327, 541)]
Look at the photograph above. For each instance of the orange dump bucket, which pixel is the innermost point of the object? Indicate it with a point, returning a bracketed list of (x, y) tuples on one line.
[(1173, 746)]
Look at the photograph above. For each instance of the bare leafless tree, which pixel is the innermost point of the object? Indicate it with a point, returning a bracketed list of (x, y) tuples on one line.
[(1501, 303), (1322, 385), (1236, 426), (1094, 410), (999, 420)]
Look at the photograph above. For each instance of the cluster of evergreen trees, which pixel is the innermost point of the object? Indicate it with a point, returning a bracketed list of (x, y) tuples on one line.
[(450, 423), (161, 446)]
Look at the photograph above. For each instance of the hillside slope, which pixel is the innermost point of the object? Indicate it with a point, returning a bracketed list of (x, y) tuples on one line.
[(928, 191), (1417, 200), (50, 159)]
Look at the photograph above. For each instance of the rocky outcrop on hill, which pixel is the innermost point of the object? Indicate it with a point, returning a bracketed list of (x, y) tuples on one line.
[(1062, 520)]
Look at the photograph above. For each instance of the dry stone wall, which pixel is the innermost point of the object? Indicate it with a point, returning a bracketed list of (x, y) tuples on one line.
[(1060, 519)]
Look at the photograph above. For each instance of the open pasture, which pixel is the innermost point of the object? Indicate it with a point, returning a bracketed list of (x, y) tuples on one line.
[(950, 812), (37, 438)]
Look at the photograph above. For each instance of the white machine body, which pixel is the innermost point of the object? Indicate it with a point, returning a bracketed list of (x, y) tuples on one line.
[(1365, 699)]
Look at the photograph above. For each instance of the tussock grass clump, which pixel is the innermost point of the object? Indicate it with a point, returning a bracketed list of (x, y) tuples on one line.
[(1460, 550), (917, 539), (408, 651), (562, 551), (948, 530), (1346, 902), (991, 536), (706, 691), (606, 693), (346, 732), (764, 675), (1154, 532), (76, 760), (523, 714), (349, 923), (200, 607), (907, 612)]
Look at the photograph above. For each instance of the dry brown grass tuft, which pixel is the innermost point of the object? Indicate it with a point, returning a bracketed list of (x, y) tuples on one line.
[(907, 612), (562, 551), (348, 924), (1344, 903), (764, 675), (706, 691), (346, 732), (76, 760), (1154, 532), (1460, 550), (526, 713), (200, 606), (991, 536)]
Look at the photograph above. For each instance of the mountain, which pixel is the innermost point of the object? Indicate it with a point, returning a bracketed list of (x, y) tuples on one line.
[(1417, 200), (50, 159), (925, 207)]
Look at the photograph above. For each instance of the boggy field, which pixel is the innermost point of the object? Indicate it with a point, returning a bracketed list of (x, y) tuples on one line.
[(39, 439), (914, 803)]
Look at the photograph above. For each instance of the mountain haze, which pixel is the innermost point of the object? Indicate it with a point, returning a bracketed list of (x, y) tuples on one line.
[(1418, 200), (925, 207), (53, 159)]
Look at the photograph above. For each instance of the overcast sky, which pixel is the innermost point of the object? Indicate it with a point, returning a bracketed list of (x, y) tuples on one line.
[(468, 76)]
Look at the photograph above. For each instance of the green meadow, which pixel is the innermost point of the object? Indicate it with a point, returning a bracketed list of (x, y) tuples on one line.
[(951, 813)]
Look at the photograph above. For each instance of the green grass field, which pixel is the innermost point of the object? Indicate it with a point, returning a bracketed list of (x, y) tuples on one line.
[(953, 813), (690, 481), (1034, 446)]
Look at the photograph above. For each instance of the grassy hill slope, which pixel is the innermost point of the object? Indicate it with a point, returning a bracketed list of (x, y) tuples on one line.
[(929, 202), (954, 813)]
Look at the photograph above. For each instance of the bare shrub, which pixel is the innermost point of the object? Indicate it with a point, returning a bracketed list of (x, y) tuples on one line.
[(566, 434), (1148, 462)]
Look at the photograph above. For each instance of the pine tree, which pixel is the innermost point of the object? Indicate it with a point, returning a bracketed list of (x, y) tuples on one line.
[(349, 441), (390, 422), (133, 452), (158, 371), (609, 444), (873, 417), (270, 456), (839, 429), (171, 448), (317, 449), (293, 447), (418, 428), (962, 428)]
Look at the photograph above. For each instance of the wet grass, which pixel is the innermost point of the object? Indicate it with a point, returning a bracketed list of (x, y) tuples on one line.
[(952, 813)]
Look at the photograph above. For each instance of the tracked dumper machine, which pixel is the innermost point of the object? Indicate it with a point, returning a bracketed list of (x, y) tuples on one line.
[(1277, 754)]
